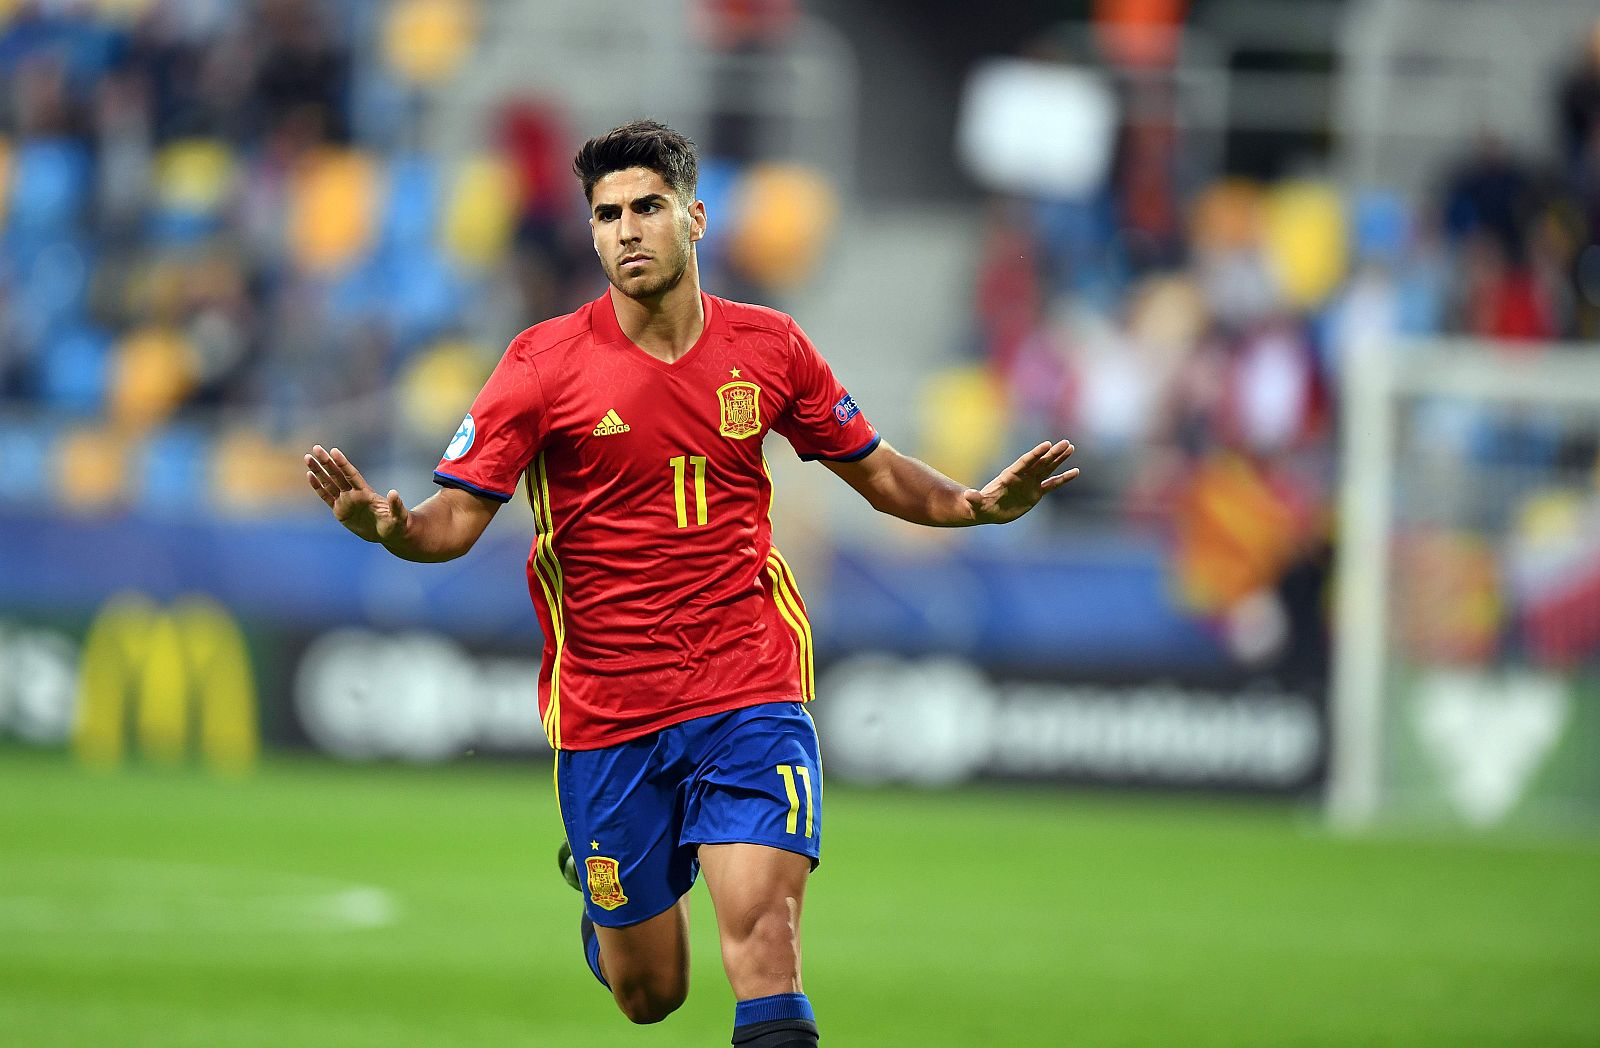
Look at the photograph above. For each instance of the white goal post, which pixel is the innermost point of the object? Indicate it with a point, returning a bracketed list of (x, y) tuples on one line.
[(1385, 387)]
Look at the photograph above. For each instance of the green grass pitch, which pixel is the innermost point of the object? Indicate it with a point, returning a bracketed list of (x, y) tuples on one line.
[(321, 904)]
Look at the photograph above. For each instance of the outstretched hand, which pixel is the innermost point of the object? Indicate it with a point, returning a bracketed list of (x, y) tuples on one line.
[(1021, 485), (372, 516)]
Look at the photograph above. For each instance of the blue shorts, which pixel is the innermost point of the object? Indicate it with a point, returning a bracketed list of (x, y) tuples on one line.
[(636, 812)]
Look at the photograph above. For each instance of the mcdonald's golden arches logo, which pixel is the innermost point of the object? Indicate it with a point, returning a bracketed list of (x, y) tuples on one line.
[(177, 675)]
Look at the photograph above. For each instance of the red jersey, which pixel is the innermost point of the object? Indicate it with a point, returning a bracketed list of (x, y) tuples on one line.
[(652, 570)]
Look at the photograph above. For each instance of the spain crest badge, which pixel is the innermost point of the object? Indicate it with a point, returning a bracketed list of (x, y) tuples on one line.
[(605, 882), (741, 409)]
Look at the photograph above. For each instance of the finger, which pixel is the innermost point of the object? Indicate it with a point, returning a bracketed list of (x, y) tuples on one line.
[(351, 473), (1058, 480), (397, 507), (330, 469), (322, 490), (321, 470), (1055, 456), (1028, 459)]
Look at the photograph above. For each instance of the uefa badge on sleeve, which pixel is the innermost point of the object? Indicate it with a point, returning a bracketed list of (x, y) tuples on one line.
[(461, 443)]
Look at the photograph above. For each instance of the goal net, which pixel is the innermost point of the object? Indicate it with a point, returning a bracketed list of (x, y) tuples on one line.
[(1467, 614)]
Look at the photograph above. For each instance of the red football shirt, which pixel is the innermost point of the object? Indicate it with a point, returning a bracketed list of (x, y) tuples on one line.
[(652, 571)]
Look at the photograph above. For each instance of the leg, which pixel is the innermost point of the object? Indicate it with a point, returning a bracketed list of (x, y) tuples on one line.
[(756, 814), (617, 806), (757, 892), (647, 964)]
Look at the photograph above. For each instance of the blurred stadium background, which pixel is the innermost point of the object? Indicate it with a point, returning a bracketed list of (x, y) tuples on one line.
[(1281, 727)]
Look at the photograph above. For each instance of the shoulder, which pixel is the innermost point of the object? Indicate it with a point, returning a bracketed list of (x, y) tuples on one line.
[(553, 335), (747, 318)]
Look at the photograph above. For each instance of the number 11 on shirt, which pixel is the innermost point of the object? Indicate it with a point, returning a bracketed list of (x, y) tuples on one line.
[(680, 492)]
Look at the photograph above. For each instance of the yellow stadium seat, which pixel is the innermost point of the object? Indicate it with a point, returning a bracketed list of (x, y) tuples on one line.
[(332, 209), (425, 41), (194, 175), (963, 420), (250, 471), (1305, 240), (481, 214), (437, 386), (783, 215), (5, 179), (152, 371), (123, 11), (91, 467)]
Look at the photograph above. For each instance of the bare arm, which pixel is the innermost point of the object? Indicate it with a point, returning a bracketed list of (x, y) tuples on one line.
[(913, 490), (442, 527)]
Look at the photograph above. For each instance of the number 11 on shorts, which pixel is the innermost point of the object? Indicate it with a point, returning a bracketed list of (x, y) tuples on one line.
[(788, 772)]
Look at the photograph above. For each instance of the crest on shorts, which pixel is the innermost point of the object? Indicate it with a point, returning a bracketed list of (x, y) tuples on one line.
[(741, 409), (605, 882)]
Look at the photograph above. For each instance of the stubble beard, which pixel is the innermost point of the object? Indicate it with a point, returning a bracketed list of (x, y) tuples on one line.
[(641, 290)]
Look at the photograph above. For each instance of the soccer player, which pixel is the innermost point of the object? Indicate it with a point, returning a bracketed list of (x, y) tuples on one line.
[(677, 653)]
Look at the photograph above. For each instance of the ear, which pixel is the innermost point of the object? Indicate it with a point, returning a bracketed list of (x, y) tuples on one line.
[(697, 220)]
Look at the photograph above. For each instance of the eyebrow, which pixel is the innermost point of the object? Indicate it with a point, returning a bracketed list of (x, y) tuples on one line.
[(646, 199)]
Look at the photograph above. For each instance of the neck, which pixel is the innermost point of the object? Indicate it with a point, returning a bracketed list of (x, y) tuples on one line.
[(667, 325)]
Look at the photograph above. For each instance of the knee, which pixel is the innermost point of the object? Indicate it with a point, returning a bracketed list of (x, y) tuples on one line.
[(646, 1001)]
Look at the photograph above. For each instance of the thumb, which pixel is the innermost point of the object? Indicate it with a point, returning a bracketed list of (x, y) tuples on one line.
[(397, 512)]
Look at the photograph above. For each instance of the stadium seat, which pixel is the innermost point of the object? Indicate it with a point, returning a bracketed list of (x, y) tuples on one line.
[(74, 371), (438, 385), (26, 470), (963, 420), (7, 177), (481, 214), (249, 471), (1305, 240), (49, 187), (170, 469), (1380, 226), (90, 469), (796, 207), (152, 370), (332, 205), (193, 179), (425, 41), (411, 203)]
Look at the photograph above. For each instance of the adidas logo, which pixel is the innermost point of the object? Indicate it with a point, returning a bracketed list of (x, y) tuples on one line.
[(611, 425)]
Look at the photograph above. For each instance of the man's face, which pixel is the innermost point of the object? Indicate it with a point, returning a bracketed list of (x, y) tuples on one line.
[(642, 232)]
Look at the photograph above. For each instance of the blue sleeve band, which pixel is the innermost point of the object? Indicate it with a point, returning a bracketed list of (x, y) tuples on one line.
[(445, 480), (771, 1009), (854, 456)]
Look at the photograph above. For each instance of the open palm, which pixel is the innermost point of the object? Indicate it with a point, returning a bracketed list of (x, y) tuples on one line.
[(1021, 485)]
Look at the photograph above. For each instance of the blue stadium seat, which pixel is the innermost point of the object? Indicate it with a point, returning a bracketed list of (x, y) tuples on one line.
[(170, 471), (50, 187), (74, 371), (1380, 226), (411, 210), (25, 458)]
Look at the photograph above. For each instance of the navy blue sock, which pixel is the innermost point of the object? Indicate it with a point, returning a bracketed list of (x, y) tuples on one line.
[(784, 1020), (591, 948)]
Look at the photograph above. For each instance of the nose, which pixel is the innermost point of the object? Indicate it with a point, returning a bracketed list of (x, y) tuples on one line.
[(627, 227)]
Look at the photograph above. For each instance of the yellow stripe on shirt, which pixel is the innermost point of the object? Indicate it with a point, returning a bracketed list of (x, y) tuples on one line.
[(548, 569), (787, 597)]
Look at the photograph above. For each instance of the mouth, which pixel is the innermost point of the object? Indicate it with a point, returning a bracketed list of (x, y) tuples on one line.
[(630, 260)]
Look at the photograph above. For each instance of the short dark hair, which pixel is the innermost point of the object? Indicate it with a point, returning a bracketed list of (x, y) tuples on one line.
[(642, 143)]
